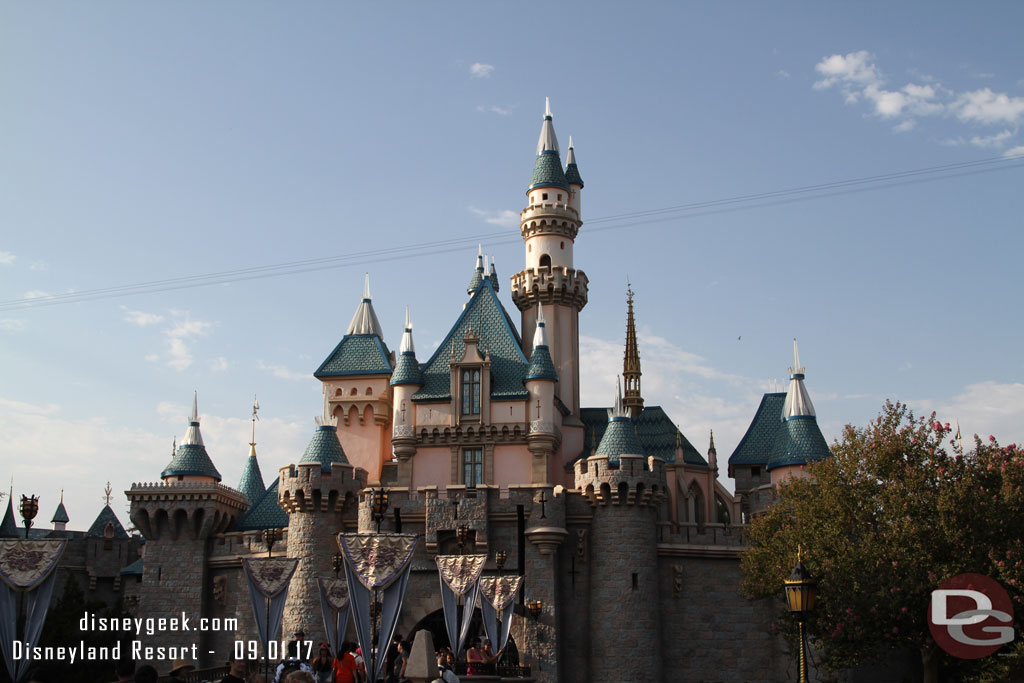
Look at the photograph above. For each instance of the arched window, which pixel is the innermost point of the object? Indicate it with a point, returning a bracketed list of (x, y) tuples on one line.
[(545, 261), (722, 510)]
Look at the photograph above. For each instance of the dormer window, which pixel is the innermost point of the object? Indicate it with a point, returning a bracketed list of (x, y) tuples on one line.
[(470, 392)]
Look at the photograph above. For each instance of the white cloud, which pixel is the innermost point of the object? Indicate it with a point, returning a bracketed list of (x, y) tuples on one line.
[(11, 325), (38, 265), (985, 106), (281, 372), (494, 109), (856, 67), (6, 258), (480, 70), (782, 73), (181, 354), (36, 294), (177, 335), (219, 364), (984, 408), (904, 126), (996, 141), (1014, 152), (29, 408), (141, 319), (506, 217)]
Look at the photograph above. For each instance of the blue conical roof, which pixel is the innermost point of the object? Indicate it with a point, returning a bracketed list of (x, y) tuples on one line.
[(547, 169), (61, 514), (799, 441), (572, 171), (251, 484), (407, 368), (325, 448), (9, 525), (191, 457), (99, 525), (541, 365), (620, 436)]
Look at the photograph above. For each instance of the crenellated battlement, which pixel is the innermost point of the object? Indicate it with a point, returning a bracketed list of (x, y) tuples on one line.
[(637, 480), (306, 487), (549, 219), (550, 285)]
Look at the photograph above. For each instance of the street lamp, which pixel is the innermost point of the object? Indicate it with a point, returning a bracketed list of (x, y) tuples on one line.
[(379, 505), (29, 509), (500, 556), (462, 535), (270, 537), (801, 590), (534, 607), (337, 564)]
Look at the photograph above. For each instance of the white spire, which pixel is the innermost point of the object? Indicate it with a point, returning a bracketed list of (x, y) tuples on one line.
[(326, 419), (798, 402), (493, 272), (192, 436), (618, 410), (480, 257), (407, 345), (540, 336), (485, 263), (547, 142), (570, 156), (365, 320)]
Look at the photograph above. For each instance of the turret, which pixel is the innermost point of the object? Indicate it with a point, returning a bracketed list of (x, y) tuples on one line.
[(478, 272), (549, 225), (799, 441), (406, 380), (251, 484), (60, 516), (319, 494), (572, 174), (544, 436), (191, 462)]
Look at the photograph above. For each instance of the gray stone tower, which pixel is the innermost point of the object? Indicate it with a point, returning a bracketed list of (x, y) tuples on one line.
[(320, 495), (179, 517), (624, 488)]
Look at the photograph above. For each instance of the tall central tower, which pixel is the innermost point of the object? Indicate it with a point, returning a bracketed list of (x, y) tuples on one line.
[(549, 225)]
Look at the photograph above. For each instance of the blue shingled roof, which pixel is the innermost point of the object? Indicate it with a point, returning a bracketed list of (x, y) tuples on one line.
[(325, 448), (541, 365), (474, 282), (134, 569), (572, 174), (61, 515), (191, 459), (497, 334), (655, 430), (357, 354), (798, 442), (619, 439), (755, 448), (407, 370), (9, 525), (265, 513), (100, 524), (547, 171), (251, 484)]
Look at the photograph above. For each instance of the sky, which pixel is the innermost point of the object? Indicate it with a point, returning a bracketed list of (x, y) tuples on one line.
[(758, 172)]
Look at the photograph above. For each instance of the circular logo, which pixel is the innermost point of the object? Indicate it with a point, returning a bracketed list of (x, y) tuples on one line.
[(970, 616)]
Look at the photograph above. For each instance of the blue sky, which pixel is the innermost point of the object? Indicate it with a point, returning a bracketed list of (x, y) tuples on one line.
[(140, 143)]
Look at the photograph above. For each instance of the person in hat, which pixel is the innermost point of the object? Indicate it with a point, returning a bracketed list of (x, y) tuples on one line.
[(179, 668)]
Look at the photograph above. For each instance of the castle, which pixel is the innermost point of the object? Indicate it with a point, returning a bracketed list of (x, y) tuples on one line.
[(618, 524)]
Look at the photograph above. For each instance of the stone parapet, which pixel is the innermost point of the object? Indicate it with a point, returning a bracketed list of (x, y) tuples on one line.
[(550, 285), (637, 480), (549, 218), (307, 488), (194, 510)]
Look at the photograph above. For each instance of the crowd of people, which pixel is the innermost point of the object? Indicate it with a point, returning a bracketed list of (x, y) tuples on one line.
[(345, 666)]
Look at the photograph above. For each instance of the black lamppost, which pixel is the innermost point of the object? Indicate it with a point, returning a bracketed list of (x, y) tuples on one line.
[(462, 536), (29, 509), (379, 505), (500, 557), (534, 607), (337, 564), (270, 537), (801, 590)]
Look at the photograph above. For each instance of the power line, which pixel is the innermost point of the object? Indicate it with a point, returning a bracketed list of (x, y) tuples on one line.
[(603, 223)]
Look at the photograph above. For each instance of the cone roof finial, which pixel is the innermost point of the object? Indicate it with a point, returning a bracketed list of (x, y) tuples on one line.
[(365, 319)]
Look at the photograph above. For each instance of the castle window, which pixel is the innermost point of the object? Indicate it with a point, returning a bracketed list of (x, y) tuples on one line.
[(561, 245), (545, 261), (471, 391), (559, 196), (544, 196), (473, 467)]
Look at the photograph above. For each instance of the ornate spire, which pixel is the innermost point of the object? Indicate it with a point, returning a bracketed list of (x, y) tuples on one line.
[(407, 369), (540, 335), (478, 272), (713, 453), (407, 345), (547, 142), (631, 360), (365, 319), (190, 457), (572, 171), (798, 402), (251, 484), (192, 435), (547, 169), (541, 366), (619, 436)]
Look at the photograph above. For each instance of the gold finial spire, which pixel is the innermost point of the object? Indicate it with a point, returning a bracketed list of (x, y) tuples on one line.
[(631, 360), (255, 416), (107, 490)]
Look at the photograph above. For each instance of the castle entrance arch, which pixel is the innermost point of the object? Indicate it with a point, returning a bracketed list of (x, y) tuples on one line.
[(434, 622)]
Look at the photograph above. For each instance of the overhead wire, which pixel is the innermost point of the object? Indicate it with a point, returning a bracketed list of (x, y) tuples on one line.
[(599, 224)]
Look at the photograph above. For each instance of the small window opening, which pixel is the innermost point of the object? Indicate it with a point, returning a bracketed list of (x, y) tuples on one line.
[(544, 196), (636, 581)]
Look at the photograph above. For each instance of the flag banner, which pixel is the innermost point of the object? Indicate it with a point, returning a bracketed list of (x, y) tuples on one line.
[(334, 605), (460, 572), (268, 579), (497, 593), (26, 569), (377, 559), (459, 575), (376, 564)]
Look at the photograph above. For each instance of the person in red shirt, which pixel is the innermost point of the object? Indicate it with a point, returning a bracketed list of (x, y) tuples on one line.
[(345, 664)]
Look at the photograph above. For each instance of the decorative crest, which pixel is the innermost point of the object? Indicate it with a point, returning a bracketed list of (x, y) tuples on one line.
[(107, 490), (326, 419)]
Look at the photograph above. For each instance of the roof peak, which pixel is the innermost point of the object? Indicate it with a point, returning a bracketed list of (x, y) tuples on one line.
[(548, 142), (798, 401), (365, 319), (540, 335), (407, 345)]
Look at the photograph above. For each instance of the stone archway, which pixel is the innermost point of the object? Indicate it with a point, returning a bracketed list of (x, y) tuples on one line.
[(434, 622)]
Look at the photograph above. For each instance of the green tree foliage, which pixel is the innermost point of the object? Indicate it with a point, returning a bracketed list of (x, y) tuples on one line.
[(897, 509)]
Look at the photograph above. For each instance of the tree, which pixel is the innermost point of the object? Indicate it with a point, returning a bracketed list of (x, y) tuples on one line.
[(882, 523)]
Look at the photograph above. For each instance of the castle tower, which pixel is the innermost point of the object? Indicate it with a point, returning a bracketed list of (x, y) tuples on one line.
[(320, 495), (549, 225), (406, 380), (625, 489), (541, 377), (60, 516), (633, 401), (178, 517), (799, 441)]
